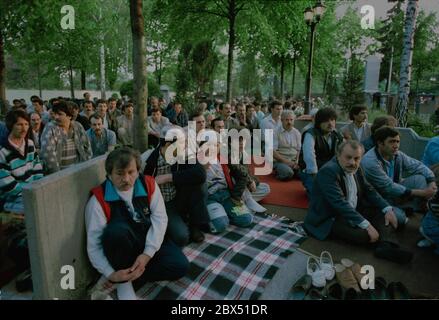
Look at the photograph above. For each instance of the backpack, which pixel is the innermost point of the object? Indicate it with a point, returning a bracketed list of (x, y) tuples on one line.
[(99, 192)]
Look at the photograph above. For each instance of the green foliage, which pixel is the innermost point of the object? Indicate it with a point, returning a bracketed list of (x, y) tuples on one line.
[(126, 88), (204, 62), (352, 93), (422, 128)]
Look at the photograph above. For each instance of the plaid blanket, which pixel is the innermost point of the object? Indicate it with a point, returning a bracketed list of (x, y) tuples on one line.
[(237, 264)]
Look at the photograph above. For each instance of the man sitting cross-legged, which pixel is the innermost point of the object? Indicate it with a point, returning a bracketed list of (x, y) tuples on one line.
[(344, 205), (286, 147), (403, 181), (126, 223)]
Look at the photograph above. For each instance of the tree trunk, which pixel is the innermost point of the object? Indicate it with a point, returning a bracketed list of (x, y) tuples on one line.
[(40, 90), (83, 81), (232, 18), (325, 81), (102, 69), (140, 90), (294, 77), (72, 88), (282, 73), (2, 77), (406, 63)]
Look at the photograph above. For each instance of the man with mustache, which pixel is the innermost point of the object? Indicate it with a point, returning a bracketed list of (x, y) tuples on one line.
[(344, 205), (64, 141), (403, 181), (286, 147), (102, 140), (126, 223)]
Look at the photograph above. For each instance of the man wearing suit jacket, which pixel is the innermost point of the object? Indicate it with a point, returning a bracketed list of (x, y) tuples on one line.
[(358, 129), (345, 206)]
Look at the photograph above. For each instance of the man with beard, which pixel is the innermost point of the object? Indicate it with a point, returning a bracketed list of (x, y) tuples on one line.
[(64, 141), (344, 205), (358, 129)]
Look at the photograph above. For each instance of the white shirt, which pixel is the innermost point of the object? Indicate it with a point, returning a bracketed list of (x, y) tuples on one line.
[(269, 123), (287, 143), (95, 222)]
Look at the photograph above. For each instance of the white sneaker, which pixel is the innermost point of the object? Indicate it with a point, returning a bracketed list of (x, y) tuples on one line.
[(327, 265), (317, 274), (254, 206)]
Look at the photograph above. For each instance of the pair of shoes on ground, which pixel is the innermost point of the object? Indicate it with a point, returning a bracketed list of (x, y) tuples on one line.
[(320, 270), (392, 252)]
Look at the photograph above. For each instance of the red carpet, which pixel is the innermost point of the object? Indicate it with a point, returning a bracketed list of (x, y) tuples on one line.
[(285, 193)]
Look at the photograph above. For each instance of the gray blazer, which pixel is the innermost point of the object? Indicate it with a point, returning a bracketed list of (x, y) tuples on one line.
[(328, 200), (349, 131)]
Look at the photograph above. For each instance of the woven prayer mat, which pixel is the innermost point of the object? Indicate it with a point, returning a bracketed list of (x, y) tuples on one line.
[(237, 264)]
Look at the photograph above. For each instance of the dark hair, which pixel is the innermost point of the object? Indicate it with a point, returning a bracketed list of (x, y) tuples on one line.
[(323, 115), (63, 106), (112, 99), (129, 104), (85, 93), (356, 110), (196, 113), (381, 122), (96, 116), (13, 116), (288, 105), (120, 159), (383, 133), (38, 100), (72, 105), (89, 102), (101, 101), (212, 123), (156, 109), (274, 103)]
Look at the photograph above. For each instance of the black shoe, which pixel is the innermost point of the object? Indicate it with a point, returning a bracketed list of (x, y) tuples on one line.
[(392, 252), (196, 235), (24, 282)]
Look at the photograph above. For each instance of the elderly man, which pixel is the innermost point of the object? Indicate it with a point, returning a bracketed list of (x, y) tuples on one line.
[(126, 223), (400, 179), (286, 147), (344, 205), (64, 142)]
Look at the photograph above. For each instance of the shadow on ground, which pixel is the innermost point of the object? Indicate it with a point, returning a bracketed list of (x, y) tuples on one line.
[(421, 276)]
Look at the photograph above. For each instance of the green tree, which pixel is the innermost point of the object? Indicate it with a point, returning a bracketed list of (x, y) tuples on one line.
[(352, 93)]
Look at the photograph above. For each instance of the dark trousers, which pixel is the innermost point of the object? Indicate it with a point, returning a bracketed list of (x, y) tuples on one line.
[(188, 208), (123, 241), (341, 229)]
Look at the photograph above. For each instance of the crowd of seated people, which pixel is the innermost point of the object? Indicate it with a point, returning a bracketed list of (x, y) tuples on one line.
[(360, 186)]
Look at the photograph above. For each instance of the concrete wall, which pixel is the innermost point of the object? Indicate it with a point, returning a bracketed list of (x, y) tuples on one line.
[(411, 143), (54, 211)]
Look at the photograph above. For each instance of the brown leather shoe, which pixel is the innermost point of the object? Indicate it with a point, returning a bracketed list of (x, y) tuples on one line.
[(346, 278), (195, 235)]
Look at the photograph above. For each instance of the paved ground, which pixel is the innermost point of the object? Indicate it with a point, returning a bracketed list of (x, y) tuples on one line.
[(421, 276)]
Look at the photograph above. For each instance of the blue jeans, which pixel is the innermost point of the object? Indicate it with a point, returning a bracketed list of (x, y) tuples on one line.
[(283, 171), (222, 211)]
